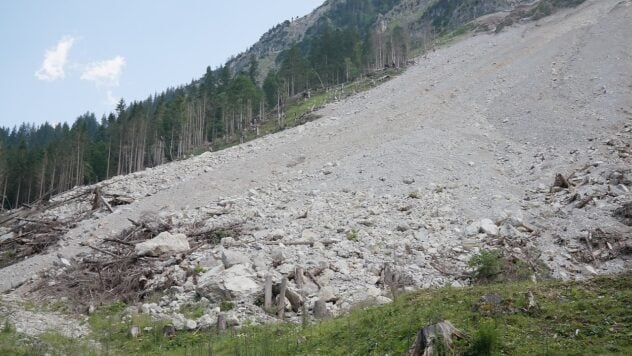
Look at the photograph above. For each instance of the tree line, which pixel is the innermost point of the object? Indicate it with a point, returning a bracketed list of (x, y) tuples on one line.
[(219, 109)]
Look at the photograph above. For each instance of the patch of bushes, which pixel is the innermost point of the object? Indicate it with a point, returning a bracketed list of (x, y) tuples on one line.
[(487, 265)]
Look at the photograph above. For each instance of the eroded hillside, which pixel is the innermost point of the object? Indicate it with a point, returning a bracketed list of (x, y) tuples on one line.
[(393, 189)]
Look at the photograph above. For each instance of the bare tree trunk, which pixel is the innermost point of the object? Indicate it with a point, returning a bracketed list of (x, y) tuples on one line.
[(281, 299), (267, 291)]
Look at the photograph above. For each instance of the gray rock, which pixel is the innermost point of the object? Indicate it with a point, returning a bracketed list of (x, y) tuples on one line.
[(408, 180), (489, 227), (178, 321), (507, 230), (278, 255), (206, 321), (309, 235), (163, 243), (231, 258), (327, 294), (472, 229)]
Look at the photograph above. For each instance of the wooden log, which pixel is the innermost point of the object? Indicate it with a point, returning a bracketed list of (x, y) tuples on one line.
[(311, 276), (296, 301), (107, 205), (267, 291), (281, 299)]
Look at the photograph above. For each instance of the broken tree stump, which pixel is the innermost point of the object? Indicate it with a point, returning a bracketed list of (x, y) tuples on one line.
[(296, 301), (281, 299), (221, 323), (560, 183), (267, 291), (427, 339), (320, 309), (532, 305), (299, 277)]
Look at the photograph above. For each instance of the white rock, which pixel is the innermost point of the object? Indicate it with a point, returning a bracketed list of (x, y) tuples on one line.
[(191, 325), (489, 227), (134, 332), (163, 243)]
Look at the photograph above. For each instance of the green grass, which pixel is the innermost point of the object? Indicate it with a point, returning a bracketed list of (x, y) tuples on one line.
[(577, 318)]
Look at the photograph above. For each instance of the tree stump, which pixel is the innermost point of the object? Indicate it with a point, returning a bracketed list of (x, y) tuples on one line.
[(320, 309), (281, 299), (221, 323), (429, 337), (267, 291)]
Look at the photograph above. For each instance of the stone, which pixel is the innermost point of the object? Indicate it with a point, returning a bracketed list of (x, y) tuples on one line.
[(591, 269), (507, 230), (165, 242), (309, 235), (236, 282), (473, 229), (231, 258), (134, 332), (408, 180), (190, 325), (278, 256), (178, 321), (206, 321), (489, 227), (328, 294)]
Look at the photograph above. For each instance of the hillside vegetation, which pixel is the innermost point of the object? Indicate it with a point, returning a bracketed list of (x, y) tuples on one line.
[(577, 318)]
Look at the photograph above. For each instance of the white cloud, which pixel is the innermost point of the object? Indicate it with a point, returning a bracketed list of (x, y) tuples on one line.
[(55, 60), (106, 72)]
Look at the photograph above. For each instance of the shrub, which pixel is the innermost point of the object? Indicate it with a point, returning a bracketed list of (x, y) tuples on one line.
[(486, 340), (486, 264), (352, 235), (226, 306)]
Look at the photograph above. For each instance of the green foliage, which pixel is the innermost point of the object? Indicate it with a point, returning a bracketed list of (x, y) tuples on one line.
[(226, 306), (589, 317), (486, 340), (198, 270), (352, 235), (487, 264)]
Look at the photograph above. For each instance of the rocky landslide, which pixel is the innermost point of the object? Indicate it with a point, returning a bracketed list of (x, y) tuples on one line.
[(517, 142)]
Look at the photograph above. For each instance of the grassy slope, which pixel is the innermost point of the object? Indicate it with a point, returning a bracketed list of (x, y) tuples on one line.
[(592, 317)]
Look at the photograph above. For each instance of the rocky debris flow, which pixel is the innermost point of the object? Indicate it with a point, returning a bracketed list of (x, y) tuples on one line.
[(392, 190), (35, 323), (586, 219)]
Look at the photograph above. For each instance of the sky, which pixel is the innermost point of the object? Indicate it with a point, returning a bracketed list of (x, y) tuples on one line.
[(60, 59)]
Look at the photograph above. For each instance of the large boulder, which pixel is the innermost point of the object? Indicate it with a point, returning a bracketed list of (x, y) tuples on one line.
[(489, 227), (232, 258), (237, 282), (165, 242)]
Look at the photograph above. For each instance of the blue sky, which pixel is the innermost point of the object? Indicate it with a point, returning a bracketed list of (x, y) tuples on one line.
[(59, 59)]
